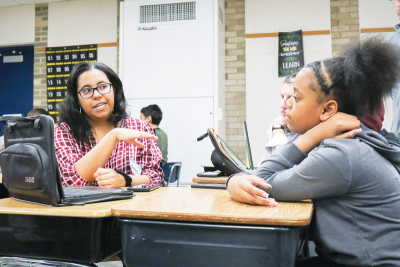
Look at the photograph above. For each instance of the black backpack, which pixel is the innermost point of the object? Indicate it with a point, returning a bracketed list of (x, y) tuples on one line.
[(28, 163)]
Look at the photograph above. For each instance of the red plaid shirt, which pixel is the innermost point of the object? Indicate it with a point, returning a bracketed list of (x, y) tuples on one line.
[(68, 152)]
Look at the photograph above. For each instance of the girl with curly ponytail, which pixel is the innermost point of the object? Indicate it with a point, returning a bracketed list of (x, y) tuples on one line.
[(349, 171)]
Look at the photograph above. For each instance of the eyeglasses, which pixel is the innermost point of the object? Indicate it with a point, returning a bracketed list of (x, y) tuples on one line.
[(88, 92)]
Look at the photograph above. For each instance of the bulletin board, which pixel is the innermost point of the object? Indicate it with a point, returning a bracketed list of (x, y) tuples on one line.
[(59, 64)]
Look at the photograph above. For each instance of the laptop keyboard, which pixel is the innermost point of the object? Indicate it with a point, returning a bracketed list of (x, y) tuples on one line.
[(72, 191)]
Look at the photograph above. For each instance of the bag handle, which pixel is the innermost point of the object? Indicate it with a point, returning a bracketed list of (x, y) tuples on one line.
[(5, 119), (11, 121)]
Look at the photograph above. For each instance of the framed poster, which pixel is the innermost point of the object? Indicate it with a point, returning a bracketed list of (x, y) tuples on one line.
[(291, 53), (59, 64)]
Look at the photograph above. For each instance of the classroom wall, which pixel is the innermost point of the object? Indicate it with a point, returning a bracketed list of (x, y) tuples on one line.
[(60, 24), (262, 82), (377, 14), (17, 25), (235, 75), (85, 22), (381, 15)]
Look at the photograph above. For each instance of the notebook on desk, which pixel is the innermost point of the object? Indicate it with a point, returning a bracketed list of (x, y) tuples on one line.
[(30, 171)]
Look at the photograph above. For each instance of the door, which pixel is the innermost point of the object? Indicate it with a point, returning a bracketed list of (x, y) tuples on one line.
[(16, 83)]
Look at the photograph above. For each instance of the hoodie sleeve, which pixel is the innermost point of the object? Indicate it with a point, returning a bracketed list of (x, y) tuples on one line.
[(293, 175)]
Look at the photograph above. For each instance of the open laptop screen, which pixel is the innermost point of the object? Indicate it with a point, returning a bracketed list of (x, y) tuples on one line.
[(248, 149)]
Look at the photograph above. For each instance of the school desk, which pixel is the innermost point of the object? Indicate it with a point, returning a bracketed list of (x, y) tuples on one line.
[(81, 234), (205, 227)]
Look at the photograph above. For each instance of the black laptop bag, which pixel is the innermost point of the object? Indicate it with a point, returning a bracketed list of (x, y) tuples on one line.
[(29, 163)]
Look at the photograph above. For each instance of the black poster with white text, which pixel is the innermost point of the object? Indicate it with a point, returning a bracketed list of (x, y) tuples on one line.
[(291, 53)]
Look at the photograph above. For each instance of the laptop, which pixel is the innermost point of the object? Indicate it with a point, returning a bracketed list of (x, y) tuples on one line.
[(25, 181), (248, 149), (224, 159)]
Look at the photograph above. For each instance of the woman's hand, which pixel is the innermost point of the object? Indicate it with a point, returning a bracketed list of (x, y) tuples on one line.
[(109, 178), (242, 188), (340, 125), (131, 136)]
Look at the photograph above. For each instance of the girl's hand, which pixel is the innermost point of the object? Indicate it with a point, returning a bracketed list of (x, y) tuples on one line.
[(242, 188), (340, 125), (109, 178), (131, 136)]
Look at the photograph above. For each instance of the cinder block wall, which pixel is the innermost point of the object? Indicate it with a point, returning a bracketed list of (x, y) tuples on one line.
[(345, 24), (235, 82), (39, 77)]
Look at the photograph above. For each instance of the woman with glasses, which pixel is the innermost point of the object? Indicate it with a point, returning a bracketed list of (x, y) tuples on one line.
[(97, 144)]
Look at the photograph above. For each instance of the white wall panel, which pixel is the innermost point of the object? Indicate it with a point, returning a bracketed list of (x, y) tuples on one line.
[(17, 25), (262, 82), (177, 57), (108, 56), (82, 22), (180, 66), (272, 16), (377, 14)]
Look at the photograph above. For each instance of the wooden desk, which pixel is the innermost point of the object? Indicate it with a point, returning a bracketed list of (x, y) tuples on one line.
[(82, 234), (203, 227), (210, 205), (96, 210), (211, 180)]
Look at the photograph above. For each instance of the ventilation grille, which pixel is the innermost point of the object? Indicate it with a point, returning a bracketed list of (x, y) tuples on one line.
[(168, 12)]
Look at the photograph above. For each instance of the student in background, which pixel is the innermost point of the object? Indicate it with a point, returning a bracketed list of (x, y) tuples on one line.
[(152, 114), (96, 141), (38, 111), (278, 133), (353, 174)]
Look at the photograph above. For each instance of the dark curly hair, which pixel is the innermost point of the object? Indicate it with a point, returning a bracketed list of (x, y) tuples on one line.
[(366, 72), (70, 109)]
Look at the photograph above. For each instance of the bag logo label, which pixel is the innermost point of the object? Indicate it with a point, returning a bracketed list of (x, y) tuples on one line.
[(30, 179)]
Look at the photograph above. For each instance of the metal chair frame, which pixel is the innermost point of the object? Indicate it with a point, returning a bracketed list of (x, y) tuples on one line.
[(177, 164)]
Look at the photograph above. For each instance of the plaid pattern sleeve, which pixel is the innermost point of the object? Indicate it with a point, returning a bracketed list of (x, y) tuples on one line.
[(148, 158), (68, 152)]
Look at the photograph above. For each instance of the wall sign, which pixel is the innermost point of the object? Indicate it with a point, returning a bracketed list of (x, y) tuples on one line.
[(59, 64), (291, 53)]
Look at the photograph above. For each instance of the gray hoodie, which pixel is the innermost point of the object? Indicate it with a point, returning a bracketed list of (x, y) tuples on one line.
[(355, 187), (395, 39)]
